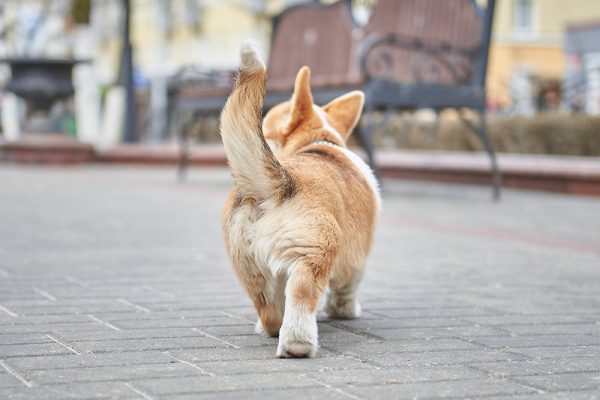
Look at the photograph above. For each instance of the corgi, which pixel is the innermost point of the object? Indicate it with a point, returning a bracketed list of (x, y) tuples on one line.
[(300, 222)]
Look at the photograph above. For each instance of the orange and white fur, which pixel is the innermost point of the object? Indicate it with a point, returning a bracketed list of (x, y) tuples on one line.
[(301, 222)]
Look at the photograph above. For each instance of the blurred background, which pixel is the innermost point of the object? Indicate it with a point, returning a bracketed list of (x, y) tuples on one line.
[(114, 281), (543, 73)]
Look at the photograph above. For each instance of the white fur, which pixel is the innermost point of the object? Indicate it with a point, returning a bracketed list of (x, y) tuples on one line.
[(275, 243), (367, 173), (250, 60), (277, 266), (298, 335), (258, 328), (356, 160)]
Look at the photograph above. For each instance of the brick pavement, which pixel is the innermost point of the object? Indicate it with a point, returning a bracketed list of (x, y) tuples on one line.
[(114, 284)]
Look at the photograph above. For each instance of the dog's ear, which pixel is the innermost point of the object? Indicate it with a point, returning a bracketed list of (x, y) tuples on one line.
[(302, 100), (344, 112)]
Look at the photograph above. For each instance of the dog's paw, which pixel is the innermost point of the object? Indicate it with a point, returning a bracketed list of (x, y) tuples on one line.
[(250, 61), (298, 339), (342, 310), (296, 349), (258, 328)]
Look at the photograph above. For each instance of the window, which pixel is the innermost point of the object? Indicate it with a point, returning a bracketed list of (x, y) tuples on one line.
[(523, 16)]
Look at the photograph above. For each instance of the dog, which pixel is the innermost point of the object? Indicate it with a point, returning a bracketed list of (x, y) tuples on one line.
[(300, 222)]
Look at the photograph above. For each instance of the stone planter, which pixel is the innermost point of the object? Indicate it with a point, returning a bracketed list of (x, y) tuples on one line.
[(41, 82)]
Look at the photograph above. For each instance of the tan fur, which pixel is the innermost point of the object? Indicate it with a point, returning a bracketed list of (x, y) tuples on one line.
[(301, 223)]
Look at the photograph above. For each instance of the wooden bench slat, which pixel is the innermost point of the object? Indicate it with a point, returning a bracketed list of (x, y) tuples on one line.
[(317, 36)]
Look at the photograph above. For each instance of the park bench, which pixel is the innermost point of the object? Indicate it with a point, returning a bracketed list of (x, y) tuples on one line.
[(412, 54)]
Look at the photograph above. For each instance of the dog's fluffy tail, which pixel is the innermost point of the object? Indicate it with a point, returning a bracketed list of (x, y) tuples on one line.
[(256, 171)]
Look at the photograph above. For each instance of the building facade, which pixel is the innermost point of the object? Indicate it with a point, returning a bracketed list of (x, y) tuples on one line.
[(582, 81), (527, 58)]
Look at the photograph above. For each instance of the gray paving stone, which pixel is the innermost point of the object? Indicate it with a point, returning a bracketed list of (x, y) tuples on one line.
[(537, 340), (90, 360), (434, 312), (540, 367), (591, 328), (162, 315), (146, 344), (200, 384), (83, 391), (366, 348), (65, 310), (560, 352), (526, 319), (435, 333), (441, 322), (568, 395), (175, 323), (24, 350), (387, 375), (78, 300), (156, 333), (228, 354), (328, 327), (45, 328), (47, 319), (230, 330), (344, 339), (567, 381), (308, 393), (412, 304), (324, 365), (23, 339), (466, 388), (9, 381), (453, 357), (251, 340), (366, 325), (111, 373)]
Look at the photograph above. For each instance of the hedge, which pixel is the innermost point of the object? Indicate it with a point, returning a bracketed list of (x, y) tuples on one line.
[(574, 135)]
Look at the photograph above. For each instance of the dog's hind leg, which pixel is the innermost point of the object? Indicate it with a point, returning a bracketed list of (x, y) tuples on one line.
[(298, 336), (270, 310), (269, 307), (263, 289), (342, 302)]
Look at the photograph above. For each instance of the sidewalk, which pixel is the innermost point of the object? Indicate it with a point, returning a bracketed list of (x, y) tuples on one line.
[(114, 283)]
